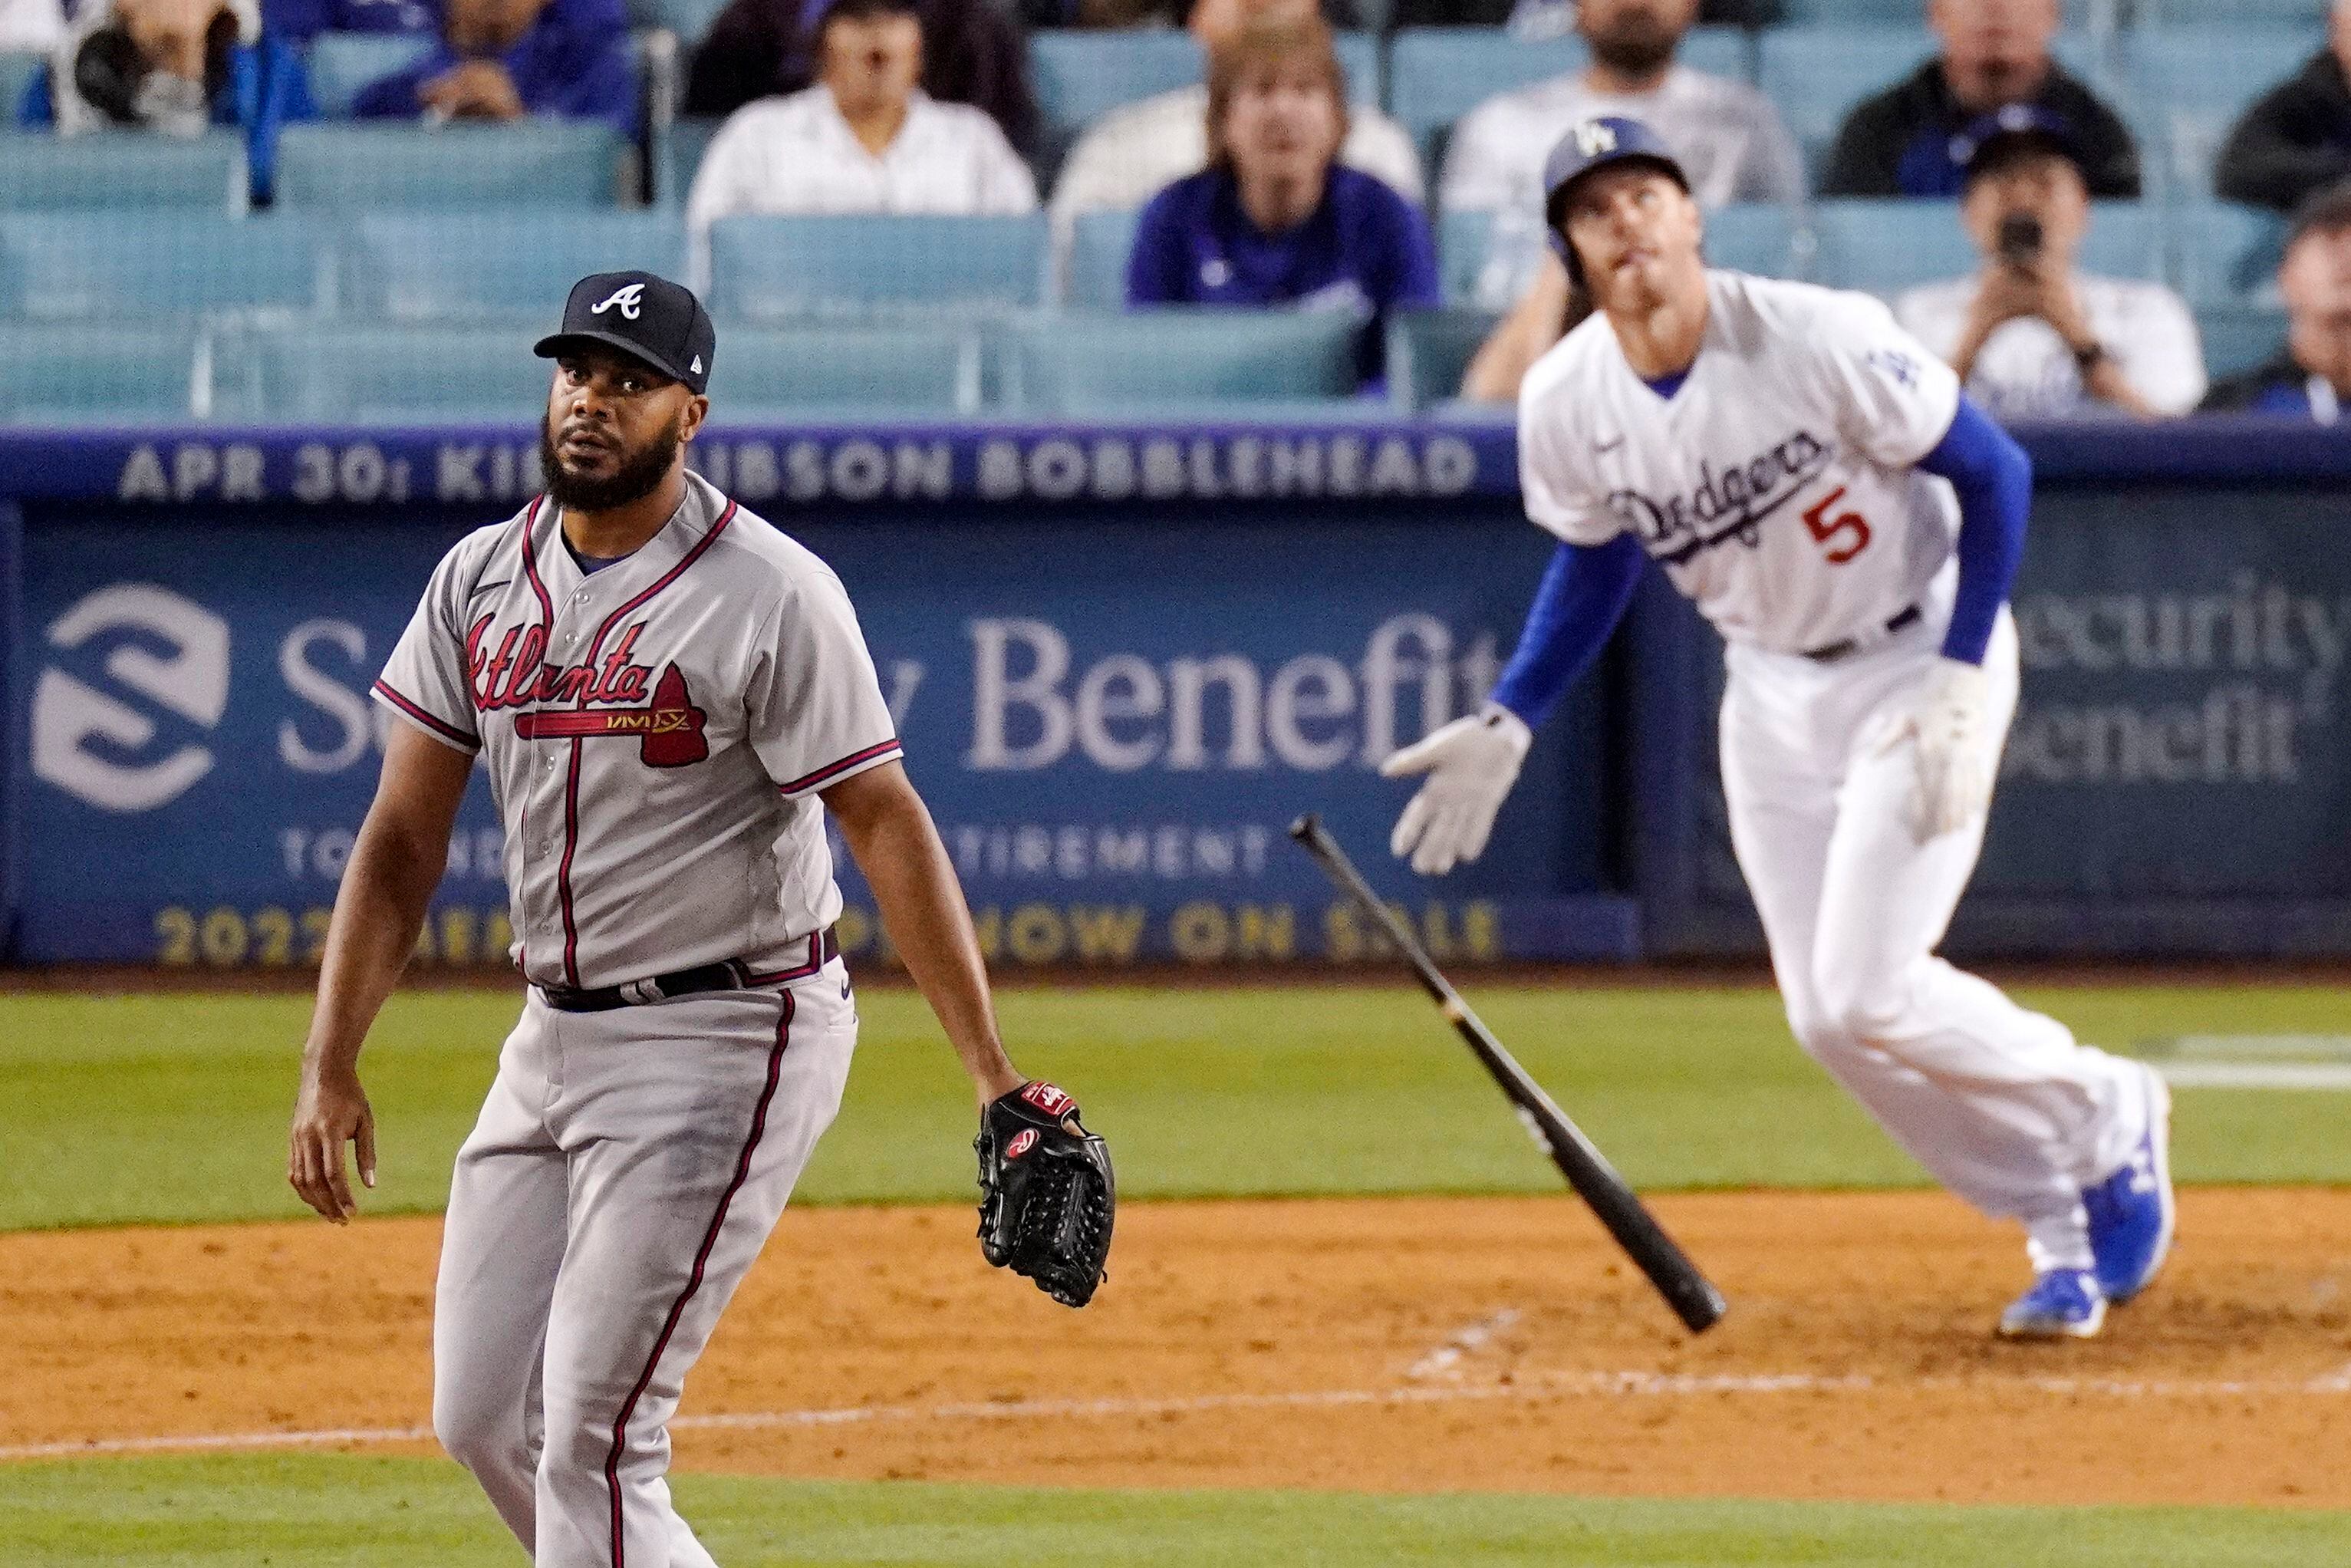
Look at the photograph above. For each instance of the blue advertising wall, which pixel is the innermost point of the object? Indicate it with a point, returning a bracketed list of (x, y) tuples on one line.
[(1124, 658)]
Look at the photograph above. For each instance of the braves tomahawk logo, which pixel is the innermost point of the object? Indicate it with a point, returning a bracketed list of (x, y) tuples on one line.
[(628, 297)]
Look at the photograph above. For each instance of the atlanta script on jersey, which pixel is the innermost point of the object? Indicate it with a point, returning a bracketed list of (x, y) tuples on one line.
[(1774, 485), (655, 732)]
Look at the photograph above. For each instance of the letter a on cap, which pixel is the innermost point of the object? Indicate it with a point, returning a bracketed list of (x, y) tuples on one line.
[(626, 296)]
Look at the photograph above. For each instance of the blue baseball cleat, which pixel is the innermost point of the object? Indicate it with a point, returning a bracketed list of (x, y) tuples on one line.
[(2131, 1212), (2063, 1303)]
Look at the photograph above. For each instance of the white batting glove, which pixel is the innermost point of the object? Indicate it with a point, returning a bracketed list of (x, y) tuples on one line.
[(1471, 764), (1951, 722)]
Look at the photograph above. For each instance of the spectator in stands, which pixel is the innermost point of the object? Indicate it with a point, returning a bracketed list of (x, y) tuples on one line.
[(174, 66), (1275, 219), (2296, 138), (2030, 336), (1129, 155), (865, 139), (504, 59), (1111, 15), (1726, 133), (29, 27), (1557, 19), (300, 21), (1995, 54), (2310, 378), (972, 53)]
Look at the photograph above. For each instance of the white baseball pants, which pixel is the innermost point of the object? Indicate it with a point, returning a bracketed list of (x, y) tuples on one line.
[(627, 1167), (1998, 1102)]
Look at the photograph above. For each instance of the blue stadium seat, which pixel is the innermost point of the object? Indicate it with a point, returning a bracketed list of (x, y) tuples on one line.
[(1463, 242), (1180, 359), (865, 368), (340, 64), (48, 173), (1099, 246), (2126, 240), (471, 263), (1886, 246), (689, 19), (1428, 352), (2186, 85), (388, 374), (18, 70), (1437, 75), (2226, 252), (2239, 337), (61, 266), (683, 144), (93, 372), (775, 267), (1757, 236), (534, 163)]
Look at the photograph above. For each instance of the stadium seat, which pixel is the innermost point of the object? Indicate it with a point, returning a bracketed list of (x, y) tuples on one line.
[(2126, 240), (535, 163), (2226, 252), (683, 143), (96, 372), (1464, 239), (340, 64), (472, 263), (1427, 351), (62, 266), (1437, 75), (379, 374), (2239, 337), (48, 173), (1180, 359), (1099, 246), (17, 70), (689, 19), (769, 267), (1757, 236), (1886, 246), (843, 369), (2184, 86)]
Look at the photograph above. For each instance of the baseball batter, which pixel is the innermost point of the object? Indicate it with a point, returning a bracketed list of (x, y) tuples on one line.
[(668, 694), (1817, 483)]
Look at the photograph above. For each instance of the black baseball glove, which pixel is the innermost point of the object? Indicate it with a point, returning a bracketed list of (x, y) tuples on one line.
[(1046, 1192)]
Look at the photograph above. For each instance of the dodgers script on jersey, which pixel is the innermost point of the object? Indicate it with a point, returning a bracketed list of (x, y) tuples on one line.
[(655, 732), (1774, 484)]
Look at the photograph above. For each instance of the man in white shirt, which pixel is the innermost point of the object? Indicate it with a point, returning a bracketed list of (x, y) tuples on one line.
[(2030, 336), (1727, 135), (865, 139), (1133, 153)]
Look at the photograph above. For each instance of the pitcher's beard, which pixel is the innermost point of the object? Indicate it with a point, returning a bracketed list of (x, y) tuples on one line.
[(638, 475)]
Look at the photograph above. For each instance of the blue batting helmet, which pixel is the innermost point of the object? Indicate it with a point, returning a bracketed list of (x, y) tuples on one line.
[(1592, 144)]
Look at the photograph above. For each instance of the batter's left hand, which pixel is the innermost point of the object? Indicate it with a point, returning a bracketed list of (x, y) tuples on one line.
[(1471, 764), (1950, 724)]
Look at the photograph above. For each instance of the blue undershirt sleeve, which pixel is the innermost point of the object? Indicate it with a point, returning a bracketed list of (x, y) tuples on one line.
[(1583, 596), (1994, 481)]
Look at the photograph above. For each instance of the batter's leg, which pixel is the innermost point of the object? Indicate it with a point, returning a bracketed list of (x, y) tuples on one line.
[(2032, 1117), (500, 1247), (693, 1120), (1782, 798)]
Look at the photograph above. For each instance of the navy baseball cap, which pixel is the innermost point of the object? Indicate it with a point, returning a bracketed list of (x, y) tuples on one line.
[(1595, 145), (643, 316), (1991, 138)]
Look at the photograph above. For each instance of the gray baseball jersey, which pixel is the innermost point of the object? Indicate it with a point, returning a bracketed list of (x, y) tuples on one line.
[(655, 732)]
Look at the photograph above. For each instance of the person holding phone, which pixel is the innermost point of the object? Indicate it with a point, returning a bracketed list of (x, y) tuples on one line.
[(2030, 336)]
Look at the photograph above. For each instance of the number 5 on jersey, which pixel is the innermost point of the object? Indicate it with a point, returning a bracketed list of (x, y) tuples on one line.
[(1826, 528)]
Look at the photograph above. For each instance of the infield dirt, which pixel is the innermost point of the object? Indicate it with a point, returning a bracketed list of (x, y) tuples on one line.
[(1391, 1345)]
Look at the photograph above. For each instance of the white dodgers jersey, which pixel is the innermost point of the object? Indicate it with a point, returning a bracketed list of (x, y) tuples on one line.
[(1775, 483), (656, 733)]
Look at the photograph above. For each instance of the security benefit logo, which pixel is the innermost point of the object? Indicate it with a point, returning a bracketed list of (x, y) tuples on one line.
[(135, 742)]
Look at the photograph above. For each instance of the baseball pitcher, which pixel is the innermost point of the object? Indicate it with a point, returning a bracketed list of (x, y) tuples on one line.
[(1817, 483), (668, 694)]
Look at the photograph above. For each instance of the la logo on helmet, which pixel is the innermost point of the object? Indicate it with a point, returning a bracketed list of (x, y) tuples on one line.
[(1595, 137), (626, 296)]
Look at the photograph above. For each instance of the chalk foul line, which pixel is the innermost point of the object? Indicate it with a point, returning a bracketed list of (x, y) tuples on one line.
[(1534, 1386)]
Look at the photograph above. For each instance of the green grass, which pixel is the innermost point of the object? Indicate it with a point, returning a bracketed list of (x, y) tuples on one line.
[(172, 1108), (335, 1511)]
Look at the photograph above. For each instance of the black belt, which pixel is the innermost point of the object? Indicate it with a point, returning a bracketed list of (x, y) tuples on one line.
[(1844, 647), (730, 975)]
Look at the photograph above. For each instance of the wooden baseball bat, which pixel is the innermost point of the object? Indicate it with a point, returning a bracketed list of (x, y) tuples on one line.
[(1693, 1299)]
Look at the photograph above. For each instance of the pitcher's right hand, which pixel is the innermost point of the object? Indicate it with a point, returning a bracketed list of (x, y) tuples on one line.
[(1471, 764)]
